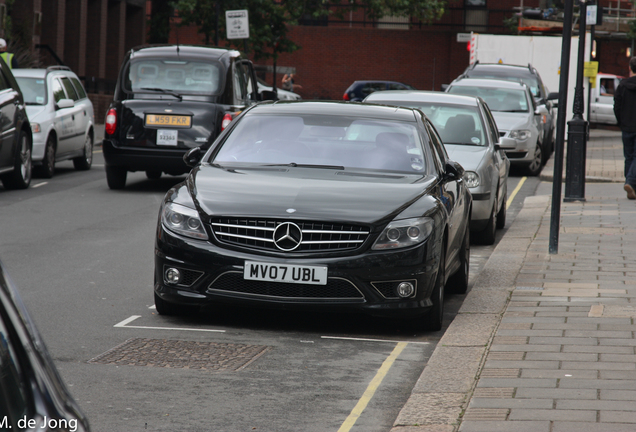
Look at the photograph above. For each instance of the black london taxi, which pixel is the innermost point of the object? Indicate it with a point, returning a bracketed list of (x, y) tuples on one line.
[(169, 99)]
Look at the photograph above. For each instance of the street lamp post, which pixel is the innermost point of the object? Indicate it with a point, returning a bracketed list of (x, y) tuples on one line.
[(578, 128)]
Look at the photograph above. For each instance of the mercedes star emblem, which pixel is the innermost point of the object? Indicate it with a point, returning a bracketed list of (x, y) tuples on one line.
[(287, 236)]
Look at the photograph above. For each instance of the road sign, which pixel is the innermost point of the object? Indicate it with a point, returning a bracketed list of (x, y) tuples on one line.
[(237, 24)]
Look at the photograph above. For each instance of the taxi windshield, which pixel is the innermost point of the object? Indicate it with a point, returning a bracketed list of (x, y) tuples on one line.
[(176, 76)]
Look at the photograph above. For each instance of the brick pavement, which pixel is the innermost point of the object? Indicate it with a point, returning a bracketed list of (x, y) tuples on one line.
[(560, 355)]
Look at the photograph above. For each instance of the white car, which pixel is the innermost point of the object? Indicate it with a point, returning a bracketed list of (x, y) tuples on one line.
[(517, 116), (61, 117)]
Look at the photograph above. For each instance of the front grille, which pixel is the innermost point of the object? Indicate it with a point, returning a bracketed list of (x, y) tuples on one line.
[(336, 288), (316, 236)]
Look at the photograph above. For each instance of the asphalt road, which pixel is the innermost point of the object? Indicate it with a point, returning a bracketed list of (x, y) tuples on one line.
[(82, 257)]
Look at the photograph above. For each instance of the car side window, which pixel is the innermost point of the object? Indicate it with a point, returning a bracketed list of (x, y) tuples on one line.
[(79, 88), (373, 87), (240, 83), (4, 82), (58, 90), (70, 90), (492, 125), (396, 86), (440, 151), (14, 403)]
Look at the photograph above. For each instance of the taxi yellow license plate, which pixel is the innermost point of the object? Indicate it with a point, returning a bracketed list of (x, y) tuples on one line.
[(168, 120), (313, 275)]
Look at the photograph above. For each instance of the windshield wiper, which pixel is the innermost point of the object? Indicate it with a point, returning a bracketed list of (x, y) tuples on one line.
[(170, 92), (294, 164)]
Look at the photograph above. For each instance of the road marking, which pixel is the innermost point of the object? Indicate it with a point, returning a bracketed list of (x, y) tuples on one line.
[(370, 340), (39, 184), (514, 192), (373, 386), (127, 321)]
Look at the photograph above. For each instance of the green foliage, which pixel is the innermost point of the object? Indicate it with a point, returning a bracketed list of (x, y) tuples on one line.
[(631, 33), (159, 22), (269, 20), (511, 24)]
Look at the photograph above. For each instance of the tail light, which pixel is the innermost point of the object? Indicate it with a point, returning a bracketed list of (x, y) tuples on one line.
[(346, 96), (227, 119), (110, 125)]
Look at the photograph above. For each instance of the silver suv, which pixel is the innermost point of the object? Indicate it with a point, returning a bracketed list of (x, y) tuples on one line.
[(517, 116), (61, 117)]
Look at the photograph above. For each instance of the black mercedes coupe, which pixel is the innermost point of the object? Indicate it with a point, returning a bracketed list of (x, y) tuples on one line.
[(327, 205)]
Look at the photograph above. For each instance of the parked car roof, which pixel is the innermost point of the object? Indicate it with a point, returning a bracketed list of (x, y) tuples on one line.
[(339, 108), (416, 96)]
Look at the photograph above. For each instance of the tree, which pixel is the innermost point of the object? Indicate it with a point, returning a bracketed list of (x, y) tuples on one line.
[(159, 22)]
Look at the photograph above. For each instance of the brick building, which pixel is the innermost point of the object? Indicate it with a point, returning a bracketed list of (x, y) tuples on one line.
[(92, 36)]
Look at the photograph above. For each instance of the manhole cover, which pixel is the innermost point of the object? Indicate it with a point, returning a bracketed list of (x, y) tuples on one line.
[(181, 354)]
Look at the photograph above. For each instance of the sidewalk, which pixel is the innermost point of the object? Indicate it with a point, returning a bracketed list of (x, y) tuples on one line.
[(545, 343)]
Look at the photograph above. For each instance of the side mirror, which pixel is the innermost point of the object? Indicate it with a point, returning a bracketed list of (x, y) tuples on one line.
[(554, 97), (269, 95), (542, 110), (193, 157), (65, 103), (453, 170), (506, 144)]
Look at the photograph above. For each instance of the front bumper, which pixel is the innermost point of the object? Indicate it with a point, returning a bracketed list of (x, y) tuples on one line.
[(143, 159), (359, 281)]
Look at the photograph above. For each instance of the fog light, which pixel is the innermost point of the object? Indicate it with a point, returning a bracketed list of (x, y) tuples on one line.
[(172, 276), (405, 289)]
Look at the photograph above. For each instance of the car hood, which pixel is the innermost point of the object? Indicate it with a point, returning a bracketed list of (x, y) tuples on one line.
[(304, 193), (33, 111), (468, 156), (510, 121)]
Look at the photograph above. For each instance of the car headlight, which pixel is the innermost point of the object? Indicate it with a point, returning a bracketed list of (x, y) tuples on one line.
[(183, 220), (403, 233), (520, 135), (35, 128), (471, 179)]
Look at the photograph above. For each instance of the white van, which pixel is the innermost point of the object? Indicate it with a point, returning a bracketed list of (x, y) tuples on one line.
[(602, 98)]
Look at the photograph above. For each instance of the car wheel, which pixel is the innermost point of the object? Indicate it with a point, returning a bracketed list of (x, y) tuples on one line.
[(435, 317), (459, 281), (534, 168), (47, 169), (153, 174), (84, 162), (116, 177), (501, 215), (168, 309), (487, 236), (20, 177)]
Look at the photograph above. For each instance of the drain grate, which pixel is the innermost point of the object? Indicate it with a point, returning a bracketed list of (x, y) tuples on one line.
[(486, 414), (500, 373), (181, 354), (494, 392)]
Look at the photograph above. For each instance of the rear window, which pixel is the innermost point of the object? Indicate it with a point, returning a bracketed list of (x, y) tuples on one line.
[(497, 99), (346, 142), (180, 76)]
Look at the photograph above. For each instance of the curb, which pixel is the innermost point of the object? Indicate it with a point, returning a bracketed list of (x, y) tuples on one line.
[(443, 391)]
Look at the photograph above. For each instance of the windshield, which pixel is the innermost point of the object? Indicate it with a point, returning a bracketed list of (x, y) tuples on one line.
[(456, 124), (33, 90), (531, 81), (177, 76), (497, 99), (324, 141)]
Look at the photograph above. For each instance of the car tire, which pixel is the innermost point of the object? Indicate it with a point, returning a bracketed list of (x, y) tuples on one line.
[(487, 236), (116, 177), (501, 215), (171, 309), (534, 167), (458, 283), (84, 162), (153, 174), (47, 169), (20, 177)]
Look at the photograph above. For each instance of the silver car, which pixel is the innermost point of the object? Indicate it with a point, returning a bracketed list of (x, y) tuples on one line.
[(516, 114), (469, 133)]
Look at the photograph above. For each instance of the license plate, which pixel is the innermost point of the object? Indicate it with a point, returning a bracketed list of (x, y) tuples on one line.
[(167, 137), (168, 120), (285, 273)]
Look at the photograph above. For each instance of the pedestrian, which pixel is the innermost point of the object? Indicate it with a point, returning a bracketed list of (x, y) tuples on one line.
[(625, 112), (9, 58), (288, 83)]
